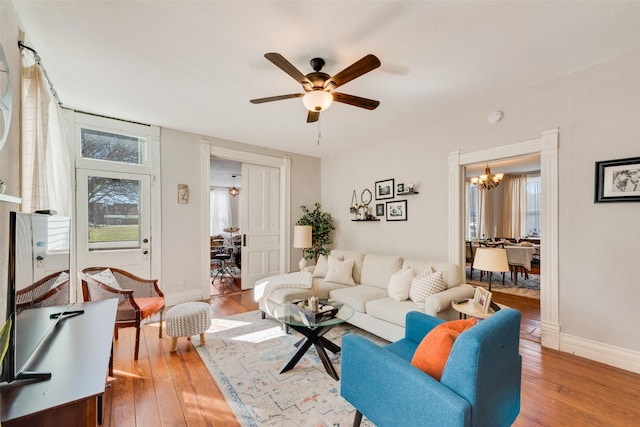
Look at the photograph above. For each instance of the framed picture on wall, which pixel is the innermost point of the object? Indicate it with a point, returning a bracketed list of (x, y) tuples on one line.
[(380, 209), (618, 180), (385, 189), (397, 210)]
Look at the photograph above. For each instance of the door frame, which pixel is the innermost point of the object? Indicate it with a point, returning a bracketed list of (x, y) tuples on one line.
[(208, 150), (547, 146)]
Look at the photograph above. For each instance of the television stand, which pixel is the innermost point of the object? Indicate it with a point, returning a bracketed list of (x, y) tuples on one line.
[(77, 355)]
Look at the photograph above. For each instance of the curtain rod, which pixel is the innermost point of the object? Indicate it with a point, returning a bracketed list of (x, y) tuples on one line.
[(44, 71)]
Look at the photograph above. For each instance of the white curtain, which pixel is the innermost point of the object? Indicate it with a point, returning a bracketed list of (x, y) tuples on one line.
[(46, 172), (533, 205), (514, 206), (220, 210)]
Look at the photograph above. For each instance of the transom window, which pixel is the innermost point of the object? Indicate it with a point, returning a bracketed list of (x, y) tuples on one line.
[(112, 147)]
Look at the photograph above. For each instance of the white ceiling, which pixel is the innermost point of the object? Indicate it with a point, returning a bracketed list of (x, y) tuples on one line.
[(194, 65)]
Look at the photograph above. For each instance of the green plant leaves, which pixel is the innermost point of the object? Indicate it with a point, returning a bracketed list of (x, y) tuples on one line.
[(321, 227)]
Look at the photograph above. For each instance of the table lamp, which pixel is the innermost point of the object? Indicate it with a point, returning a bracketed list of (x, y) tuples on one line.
[(302, 239), (491, 260)]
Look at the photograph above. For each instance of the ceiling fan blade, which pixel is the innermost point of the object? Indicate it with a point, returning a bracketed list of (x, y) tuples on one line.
[(356, 101), (363, 66), (313, 116), (286, 66), (276, 98)]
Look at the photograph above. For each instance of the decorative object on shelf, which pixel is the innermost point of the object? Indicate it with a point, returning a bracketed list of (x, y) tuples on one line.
[(365, 197), (322, 226), (380, 209), (400, 188), (354, 203), (397, 210), (3, 187), (406, 189), (618, 180), (6, 103), (183, 193), (493, 260), (233, 190), (385, 189), (302, 239), (487, 181)]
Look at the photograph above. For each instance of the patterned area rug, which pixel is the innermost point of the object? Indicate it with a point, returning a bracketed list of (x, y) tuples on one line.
[(529, 288), (244, 354)]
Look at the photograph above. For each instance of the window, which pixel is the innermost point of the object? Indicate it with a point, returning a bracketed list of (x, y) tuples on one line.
[(99, 145), (533, 205), (472, 218)]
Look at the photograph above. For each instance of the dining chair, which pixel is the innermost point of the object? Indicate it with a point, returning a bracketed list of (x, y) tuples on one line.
[(470, 255), (138, 298)]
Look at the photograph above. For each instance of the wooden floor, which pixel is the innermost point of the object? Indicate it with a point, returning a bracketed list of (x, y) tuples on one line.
[(175, 389)]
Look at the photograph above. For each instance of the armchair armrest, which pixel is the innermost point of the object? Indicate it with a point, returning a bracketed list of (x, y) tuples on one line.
[(386, 388)]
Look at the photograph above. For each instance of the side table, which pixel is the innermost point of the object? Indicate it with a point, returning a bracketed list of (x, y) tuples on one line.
[(468, 308)]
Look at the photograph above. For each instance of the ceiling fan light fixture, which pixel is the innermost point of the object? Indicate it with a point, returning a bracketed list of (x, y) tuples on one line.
[(317, 100)]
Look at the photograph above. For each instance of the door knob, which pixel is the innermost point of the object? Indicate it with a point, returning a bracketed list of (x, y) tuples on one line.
[(145, 240), (145, 252)]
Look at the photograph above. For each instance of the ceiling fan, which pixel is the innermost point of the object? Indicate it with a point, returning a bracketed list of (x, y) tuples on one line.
[(319, 86)]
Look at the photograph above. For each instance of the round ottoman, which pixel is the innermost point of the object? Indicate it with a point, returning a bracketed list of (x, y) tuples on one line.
[(187, 319)]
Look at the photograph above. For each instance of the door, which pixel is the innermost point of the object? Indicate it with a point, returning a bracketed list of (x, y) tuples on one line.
[(260, 223), (113, 220)]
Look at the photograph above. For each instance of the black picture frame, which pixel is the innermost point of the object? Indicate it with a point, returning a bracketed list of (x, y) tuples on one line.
[(617, 180), (385, 189), (380, 209), (396, 210)]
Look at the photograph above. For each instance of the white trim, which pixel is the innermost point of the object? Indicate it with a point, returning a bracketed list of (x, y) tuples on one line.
[(282, 163), (619, 357), (547, 145), (205, 260)]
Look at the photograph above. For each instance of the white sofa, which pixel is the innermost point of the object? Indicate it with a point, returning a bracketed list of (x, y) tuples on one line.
[(375, 310)]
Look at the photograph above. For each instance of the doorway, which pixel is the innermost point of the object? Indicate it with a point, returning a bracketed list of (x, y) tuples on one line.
[(547, 146)]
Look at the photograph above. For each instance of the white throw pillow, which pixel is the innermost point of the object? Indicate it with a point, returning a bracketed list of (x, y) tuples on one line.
[(322, 266), (107, 278), (400, 283), (424, 285), (63, 277), (340, 271)]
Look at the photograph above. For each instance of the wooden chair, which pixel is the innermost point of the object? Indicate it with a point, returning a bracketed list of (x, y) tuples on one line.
[(470, 255), (45, 292), (138, 299)]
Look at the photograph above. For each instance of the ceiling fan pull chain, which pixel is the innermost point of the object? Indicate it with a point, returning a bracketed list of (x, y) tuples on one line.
[(319, 132)]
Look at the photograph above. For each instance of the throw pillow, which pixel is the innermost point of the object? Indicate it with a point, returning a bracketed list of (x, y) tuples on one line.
[(63, 277), (106, 277), (340, 271), (400, 283), (322, 266), (426, 284), (434, 349)]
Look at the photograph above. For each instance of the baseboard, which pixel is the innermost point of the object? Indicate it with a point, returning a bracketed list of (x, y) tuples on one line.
[(619, 357), (186, 296)]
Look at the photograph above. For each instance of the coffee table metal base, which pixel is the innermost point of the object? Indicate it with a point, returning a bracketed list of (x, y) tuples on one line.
[(316, 338)]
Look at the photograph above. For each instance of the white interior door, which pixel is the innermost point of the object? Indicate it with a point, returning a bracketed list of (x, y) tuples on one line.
[(260, 223), (113, 220)]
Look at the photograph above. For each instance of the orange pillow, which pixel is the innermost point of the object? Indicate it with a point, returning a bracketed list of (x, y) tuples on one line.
[(432, 353)]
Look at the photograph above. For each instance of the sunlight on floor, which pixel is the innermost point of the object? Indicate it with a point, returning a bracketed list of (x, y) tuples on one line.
[(219, 325), (260, 336)]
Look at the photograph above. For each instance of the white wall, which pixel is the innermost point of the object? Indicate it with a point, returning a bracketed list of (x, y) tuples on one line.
[(181, 234), (596, 110)]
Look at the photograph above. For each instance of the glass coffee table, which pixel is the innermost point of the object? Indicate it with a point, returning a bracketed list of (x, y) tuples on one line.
[(313, 332)]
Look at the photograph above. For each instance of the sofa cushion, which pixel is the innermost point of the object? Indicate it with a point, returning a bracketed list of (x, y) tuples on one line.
[(400, 283), (322, 266), (106, 277), (358, 258), (424, 285), (340, 271), (390, 310), (452, 274), (358, 296), (377, 269), (432, 353)]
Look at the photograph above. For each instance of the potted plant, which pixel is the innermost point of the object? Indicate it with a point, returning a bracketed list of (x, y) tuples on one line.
[(321, 227)]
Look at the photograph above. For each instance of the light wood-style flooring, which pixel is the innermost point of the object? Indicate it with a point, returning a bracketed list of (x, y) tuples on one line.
[(175, 389)]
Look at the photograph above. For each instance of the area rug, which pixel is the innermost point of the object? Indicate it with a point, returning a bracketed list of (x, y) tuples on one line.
[(244, 354), (529, 288)]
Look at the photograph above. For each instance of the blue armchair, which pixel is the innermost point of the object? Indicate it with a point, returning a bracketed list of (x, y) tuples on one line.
[(480, 384)]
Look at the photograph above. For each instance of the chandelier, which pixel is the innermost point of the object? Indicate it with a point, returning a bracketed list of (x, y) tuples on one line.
[(487, 181), (233, 190)]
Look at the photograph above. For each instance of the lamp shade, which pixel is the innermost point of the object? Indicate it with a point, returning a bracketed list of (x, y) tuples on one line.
[(491, 259), (302, 236), (317, 100)]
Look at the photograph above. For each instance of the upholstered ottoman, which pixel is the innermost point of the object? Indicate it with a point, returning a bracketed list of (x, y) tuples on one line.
[(187, 319)]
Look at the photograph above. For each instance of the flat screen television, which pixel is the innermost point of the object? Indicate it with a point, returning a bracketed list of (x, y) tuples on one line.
[(39, 245)]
